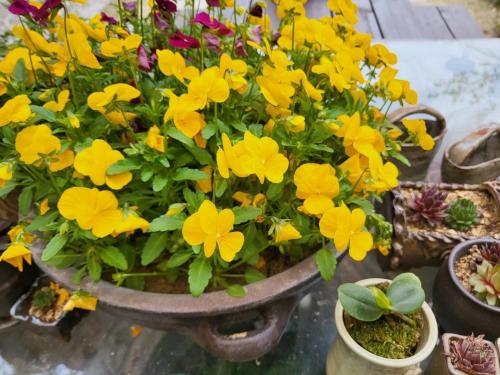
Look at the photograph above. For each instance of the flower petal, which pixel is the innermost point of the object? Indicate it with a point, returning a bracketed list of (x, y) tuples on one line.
[(230, 244)]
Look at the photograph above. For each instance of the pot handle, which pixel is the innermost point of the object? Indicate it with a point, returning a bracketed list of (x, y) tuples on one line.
[(403, 112), (246, 345)]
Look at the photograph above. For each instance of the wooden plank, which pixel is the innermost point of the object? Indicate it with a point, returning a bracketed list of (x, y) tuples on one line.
[(367, 23), (460, 22), (397, 19), (433, 25)]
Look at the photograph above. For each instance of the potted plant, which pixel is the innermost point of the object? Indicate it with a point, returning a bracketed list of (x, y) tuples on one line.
[(423, 138), (471, 279), (383, 327), (430, 219), (189, 177)]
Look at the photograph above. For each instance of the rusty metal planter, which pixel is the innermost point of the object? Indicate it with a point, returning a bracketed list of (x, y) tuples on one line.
[(425, 247)]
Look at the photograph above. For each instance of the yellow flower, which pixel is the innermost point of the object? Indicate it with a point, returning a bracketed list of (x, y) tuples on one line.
[(16, 109), (171, 63), (92, 209), (94, 161), (6, 173), (43, 208), (357, 138), (418, 132), (155, 140), (74, 121), (131, 223), (115, 47), (58, 106), (212, 229), (209, 86), (353, 170), (385, 176), (234, 158), (243, 198), (285, 232), (317, 184), (346, 228), (62, 161), (175, 209), (120, 92), (296, 123), (31, 62), (346, 8), (182, 111), (15, 254), (205, 185), (78, 43), (81, 300), (18, 234), (234, 71), (35, 140)]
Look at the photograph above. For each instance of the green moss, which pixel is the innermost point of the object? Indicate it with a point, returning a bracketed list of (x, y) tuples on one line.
[(44, 298)]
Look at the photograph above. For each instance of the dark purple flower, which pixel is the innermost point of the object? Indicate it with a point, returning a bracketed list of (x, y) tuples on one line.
[(180, 40), (21, 8), (41, 15), (213, 42), (213, 3), (240, 48), (131, 6), (256, 11), (254, 34), (167, 5), (204, 19), (160, 22), (145, 63), (108, 19)]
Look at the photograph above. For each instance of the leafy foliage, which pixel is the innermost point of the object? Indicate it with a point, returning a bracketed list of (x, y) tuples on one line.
[(462, 214)]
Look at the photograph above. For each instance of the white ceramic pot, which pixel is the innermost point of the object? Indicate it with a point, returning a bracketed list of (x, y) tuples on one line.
[(347, 357)]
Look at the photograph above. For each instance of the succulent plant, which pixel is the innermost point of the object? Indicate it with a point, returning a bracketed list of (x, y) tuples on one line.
[(472, 355), (491, 252), (44, 298), (430, 205), (462, 214), (486, 282)]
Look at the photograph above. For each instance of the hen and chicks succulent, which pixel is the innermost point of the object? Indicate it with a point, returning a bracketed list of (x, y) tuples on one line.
[(472, 355)]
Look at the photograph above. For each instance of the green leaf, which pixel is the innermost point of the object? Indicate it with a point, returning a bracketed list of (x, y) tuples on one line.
[(95, 269), (252, 275), (65, 260), (6, 189), (244, 214), (201, 155), (194, 200), (122, 166), (209, 130), (44, 113), (405, 293), (359, 302), (165, 223), (188, 174), (176, 134), (135, 282), (153, 248), (200, 273), (24, 200), (221, 187), (364, 204), (159, 183), (146, 174), (77, 277), (178, 259), (53, 247), (381, 299), (401, 158), (321, 147), (274, 192), (327, 263), (43, 220), (236, 290), (113, 257), (20, 74)]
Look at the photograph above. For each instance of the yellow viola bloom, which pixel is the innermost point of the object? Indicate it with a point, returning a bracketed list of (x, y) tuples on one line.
[(213, 229), (317, 184), (74, 121), (346, 228), (418, 132), (359, 138), (182, 110), (243, 198), (92, 209), (31, 62), (18, 234), (171, 63), (130, 223), (94, 161), (81, 300), (296, 123), (155, 140), (346, 8), (234, 71), (58, 106), (62, 161), (205, 185), (116, 47), (385, 176), (175, 209), (36, 140), (15, 254), (43, 208), (208, 86), (285, 231), (120, 92), (6, 173), (294, 6), (77, 40), (16, 109)]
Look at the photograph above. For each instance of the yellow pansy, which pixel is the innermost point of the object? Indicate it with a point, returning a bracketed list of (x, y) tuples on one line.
[(284, 231), (92, 209), (418, 132), (234, 71), (357, 137), (243, 198), (317, 184), (62, 160), (58, 106), (94, 161), (346, 8), (6, 173), (74, 122), (346, 228), (209, 86), (385, 176), (155, 140), (15, 254), (353, 169), (175, 209), (31, 62), (296, 7), (213, 229), (115, 47), (43, 208), (182, 110), (130, 223), (120, 92), (81, 300), (36, 140), (205, 185), (171, 63), (19, 234), (296, 123), (16, 109)]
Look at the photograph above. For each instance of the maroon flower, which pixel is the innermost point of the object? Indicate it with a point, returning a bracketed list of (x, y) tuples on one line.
[(240, 48), (213, 42), (167, 5), (21, 8), (145, 62), (204, 19), (213, 3), (256, 11), (180, 40), (108, 19), (160, 22)]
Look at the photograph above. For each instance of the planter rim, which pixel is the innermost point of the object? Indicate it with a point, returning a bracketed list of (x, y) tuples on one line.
[(185, 305), (455, 253), (425, 350)]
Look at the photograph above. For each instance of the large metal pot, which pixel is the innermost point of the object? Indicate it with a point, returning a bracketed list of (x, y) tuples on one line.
[(216, 321)]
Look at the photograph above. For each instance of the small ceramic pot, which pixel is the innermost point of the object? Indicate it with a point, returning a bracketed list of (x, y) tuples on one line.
[(473, 159), (347, 357), (456, 309), (419, 159)]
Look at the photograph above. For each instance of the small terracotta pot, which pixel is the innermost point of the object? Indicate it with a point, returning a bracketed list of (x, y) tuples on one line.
[(473, 159), (216, 321), (419, 159), (347, 357), (456, 309)]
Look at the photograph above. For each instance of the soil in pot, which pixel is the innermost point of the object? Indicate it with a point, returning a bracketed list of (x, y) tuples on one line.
[(392, 336)]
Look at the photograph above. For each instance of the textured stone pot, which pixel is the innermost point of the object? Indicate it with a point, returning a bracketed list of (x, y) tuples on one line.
[(8, 210), (419, 159), (456, 309), (473, 159), (347, 357), (221, 324)]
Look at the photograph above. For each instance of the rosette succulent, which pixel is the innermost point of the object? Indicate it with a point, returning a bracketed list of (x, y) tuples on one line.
[(462, 214), (430, 205), (486, 282), (472, 355), (491, 252)]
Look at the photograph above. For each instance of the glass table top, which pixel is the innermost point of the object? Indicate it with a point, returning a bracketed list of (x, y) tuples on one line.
[(461, 79)]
